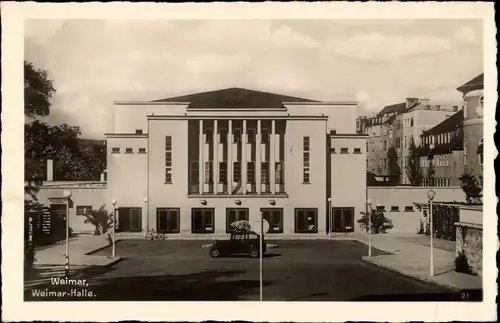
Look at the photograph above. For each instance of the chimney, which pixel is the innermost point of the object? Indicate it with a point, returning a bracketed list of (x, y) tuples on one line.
[(50, 170), (410, 101), (455, 108), (424, 102)]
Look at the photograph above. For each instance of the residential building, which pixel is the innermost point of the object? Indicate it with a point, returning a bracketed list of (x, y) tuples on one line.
[(193, 164), (472, 92), (419, 116), (442, 150)]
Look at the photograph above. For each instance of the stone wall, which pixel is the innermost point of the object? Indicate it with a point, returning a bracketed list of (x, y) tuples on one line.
[(470, 241)]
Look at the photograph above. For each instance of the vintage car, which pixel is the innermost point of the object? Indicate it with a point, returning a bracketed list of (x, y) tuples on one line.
[(239, 243)]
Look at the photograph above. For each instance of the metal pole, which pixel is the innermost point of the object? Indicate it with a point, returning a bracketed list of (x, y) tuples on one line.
[(66, 267), (370, 232), (432, 239), (329, 219), (260, 253), (114, 229)]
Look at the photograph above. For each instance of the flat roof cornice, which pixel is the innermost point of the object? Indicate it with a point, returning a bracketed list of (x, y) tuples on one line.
[(256, 117), (125, 135), (342, 102), (148, 103)]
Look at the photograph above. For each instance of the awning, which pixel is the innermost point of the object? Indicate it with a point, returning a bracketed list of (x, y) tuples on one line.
[(480, 149)]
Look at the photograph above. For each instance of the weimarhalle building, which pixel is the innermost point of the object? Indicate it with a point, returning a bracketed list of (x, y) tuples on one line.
[(191, 165)]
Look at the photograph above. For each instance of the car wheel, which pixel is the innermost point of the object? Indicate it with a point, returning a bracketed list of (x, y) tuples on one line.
[(214, 252), (254, 253)]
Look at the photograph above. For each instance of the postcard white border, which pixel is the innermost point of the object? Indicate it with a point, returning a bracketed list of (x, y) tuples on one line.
[(14, 309)]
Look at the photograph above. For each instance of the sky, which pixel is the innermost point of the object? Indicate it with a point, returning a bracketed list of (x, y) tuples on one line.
[(377, 62)]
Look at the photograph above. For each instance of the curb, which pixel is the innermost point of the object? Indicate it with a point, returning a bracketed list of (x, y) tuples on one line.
[(415, 277), (101, 248)]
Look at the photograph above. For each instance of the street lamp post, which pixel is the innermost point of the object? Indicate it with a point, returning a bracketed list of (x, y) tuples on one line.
[(114, 227), (260, 252), (369, 214), (431, 194), (329, 217), (67, 196)]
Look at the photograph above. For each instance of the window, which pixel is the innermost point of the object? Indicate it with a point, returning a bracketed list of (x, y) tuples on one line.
[(115, 150), (142, 150), (279, 173), (209, 173), (223, 136), (250, 172), (409, 208), (222, 172), (237, 172), (209, 136), (381, 208), (411, 122), (251, 136), (194, 173), (138, 131), (333, 151), (344, 150), (83, 210), (264, 173), (306, 220), (235, 214), (202, 220), (236, 135), (167, 220), (358, 150), (275, 219), (394, 208), (306, 171), (129, 150), (265, 136), (168, 159), (342, 219)]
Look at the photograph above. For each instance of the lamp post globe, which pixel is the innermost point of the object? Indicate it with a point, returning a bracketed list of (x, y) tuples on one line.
[(431, 194), (369, 201), (114, 201), (67, 194)]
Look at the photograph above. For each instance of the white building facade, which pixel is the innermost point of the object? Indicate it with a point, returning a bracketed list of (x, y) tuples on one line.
[(192, 165)]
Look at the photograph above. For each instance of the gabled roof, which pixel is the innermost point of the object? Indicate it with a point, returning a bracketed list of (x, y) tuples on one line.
[(474, 84), (398, 107), (234, 98), (448, 125)]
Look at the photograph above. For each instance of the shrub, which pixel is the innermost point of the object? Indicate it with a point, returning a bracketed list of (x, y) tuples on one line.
[(100, 219), (462, 263), (472, 187), (380, 224)]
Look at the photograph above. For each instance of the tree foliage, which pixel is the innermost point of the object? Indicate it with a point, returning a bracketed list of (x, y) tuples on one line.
[(38, 91), (379, 223), (412, 168), (472, 187), (392, 164), (43, 141), (100, 219)]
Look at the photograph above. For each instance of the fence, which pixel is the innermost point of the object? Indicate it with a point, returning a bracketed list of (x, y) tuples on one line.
[(444, 218)]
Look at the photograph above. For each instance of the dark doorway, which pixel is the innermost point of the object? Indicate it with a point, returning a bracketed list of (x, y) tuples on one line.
[(342, 219), (235, 214), (129, 219)]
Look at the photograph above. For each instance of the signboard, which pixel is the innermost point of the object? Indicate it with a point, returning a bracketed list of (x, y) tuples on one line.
[(256, 226)]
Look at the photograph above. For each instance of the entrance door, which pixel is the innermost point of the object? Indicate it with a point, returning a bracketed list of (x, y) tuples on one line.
[(57, 225), (129, 219), (342, 219), (235, 214)]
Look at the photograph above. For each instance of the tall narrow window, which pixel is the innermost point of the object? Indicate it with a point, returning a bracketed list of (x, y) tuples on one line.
[(209, 173), (236, 135), (168, 159), (251, 172), (265, 136), (264, 176), (222, 172), (209, 136), (306, 173), (223, 136), (237, 172), (251, 136)]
